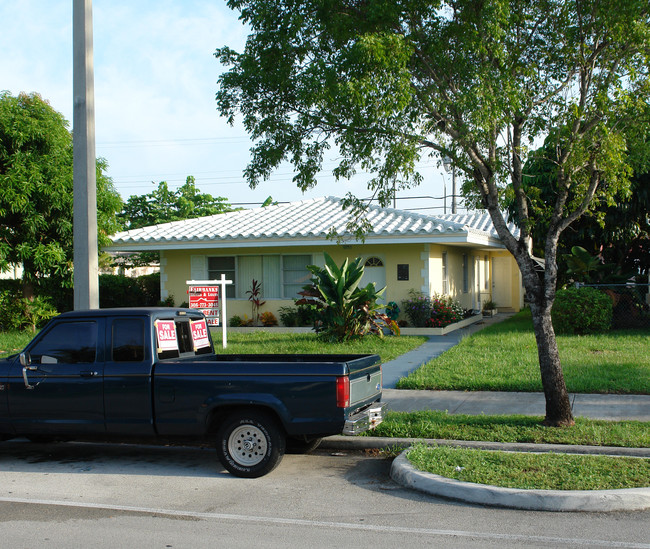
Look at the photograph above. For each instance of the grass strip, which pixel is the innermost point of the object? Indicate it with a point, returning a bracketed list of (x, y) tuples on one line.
[(532, 471), (503, 357), (513, 428), (260, 342)]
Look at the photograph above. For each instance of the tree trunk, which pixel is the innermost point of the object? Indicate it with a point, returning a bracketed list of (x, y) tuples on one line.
[(558, 405)]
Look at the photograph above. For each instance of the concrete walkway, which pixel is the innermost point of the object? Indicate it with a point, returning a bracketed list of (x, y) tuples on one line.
[(611, 407)]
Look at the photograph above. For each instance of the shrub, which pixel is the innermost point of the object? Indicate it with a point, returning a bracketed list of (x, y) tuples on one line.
[(444, 311), (307, 315), (417, 308), (289, 316), (423, 311), (17, 313), (301, 315), (125, 291), (268, 319), (235, 321), (581, 311)]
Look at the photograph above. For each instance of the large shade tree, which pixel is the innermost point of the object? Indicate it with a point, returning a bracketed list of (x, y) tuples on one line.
[(384, 82), (36, 192)]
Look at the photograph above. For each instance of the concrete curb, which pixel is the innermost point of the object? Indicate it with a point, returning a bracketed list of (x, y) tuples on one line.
[(631, 499), (402, 472), (341, 442)]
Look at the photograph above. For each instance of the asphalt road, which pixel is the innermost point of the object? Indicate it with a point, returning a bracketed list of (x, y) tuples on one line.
[(95, 495)]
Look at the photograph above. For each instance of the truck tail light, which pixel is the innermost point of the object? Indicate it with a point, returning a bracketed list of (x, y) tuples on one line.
[(343, 392)]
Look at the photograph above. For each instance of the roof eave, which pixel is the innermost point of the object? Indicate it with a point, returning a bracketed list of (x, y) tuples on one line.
[(461, 238)]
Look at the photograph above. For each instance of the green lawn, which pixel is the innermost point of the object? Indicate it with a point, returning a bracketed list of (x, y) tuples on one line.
[(503, 357), (532, 471), (435, 424), (12, 342), (258, 342)]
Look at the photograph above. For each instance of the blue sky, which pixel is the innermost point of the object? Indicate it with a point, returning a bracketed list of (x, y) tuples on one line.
[(155, 84)]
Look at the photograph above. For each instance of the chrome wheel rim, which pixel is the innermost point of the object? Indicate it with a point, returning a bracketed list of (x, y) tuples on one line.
[(247, 445)]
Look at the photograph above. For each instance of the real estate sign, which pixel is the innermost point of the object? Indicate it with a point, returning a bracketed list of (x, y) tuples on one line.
[(206, 299), (166, 336), (199, 334)]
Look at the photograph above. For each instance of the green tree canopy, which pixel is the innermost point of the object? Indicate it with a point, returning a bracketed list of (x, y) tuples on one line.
[(36, 191), (163, 205), (385, 82), (619, 233)]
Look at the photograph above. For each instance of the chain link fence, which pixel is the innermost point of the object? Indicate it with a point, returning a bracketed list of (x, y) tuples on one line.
[(631, 304)]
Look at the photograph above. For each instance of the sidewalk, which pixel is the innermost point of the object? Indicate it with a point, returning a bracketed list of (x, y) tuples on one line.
[(595, 406)]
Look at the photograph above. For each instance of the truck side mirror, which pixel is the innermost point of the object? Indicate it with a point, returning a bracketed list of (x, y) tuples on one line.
[(25, 359)]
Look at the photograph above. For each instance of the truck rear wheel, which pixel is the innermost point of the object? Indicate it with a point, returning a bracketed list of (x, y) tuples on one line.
[(250, 444)]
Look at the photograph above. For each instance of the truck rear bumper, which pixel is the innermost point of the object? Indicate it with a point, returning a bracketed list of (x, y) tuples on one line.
[(366, 419)]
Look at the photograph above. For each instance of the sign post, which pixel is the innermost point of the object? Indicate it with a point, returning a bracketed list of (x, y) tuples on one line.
[(204, 295)]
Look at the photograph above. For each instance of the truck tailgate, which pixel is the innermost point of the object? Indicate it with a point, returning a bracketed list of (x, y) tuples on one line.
[(365, 380)]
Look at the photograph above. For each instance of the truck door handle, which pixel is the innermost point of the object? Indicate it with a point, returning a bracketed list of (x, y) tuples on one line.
[(31, 369), (88, 373)]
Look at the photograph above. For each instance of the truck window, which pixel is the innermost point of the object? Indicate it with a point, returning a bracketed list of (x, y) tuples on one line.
[(128, 340), (184, 335), (184, 345), (67, 343)]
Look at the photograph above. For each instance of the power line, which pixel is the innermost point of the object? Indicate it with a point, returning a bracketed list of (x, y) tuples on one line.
[(173, 142)]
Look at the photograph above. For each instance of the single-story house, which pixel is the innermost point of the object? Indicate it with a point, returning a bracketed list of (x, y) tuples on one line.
[(458, 255)]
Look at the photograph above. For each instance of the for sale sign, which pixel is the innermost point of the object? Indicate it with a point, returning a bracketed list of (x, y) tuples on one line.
[(206, 299), (199, 334), (166, 335)]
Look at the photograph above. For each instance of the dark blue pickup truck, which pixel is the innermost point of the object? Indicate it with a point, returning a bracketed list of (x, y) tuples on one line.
[(142, 374)]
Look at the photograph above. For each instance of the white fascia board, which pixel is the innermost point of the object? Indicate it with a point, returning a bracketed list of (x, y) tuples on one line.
[(484, 240), (454, 238)]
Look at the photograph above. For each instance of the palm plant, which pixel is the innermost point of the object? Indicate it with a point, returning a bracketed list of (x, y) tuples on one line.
[(346, 310)]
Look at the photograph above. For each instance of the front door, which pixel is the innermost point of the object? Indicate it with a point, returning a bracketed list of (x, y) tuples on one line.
[(61, 390), (374, 271), (502, 282)]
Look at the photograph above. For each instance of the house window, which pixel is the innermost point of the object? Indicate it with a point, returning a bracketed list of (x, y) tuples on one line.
[(465, 273), (265, 269), (445, 274), (402, 271), (218, 266), (373, 262), (280, 276), (294, 274)]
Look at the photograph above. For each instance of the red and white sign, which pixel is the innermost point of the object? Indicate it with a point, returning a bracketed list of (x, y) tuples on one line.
[(206, 299), (199, 334), (166, 334)]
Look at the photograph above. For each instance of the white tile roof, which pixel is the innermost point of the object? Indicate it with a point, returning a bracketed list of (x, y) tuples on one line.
[(307, 222)]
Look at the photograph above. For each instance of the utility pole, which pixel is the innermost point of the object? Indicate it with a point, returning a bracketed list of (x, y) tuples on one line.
[(86, 271), (448, 164)]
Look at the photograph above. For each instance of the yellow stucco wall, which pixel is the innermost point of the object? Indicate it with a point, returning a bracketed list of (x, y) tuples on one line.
[(424, 271)]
